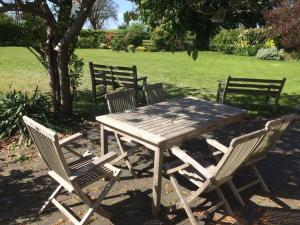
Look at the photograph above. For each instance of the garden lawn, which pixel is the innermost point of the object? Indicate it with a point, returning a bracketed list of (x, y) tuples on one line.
[(182, 75)]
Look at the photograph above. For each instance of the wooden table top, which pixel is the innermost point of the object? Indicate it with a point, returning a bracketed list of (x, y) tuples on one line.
[(169, 123)]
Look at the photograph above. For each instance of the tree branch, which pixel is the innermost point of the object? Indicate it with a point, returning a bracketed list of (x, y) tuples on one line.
[(29, 7), (73, 31)]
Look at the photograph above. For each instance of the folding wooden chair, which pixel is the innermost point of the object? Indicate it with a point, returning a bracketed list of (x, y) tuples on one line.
[(73, 176), (117, 102), (154, 93), (274, 130), (207, 176)]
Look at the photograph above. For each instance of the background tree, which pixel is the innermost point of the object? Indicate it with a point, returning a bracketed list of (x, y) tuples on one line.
[(203, 17), (63, 20), (129, 16), (101, 12), (284, 22)]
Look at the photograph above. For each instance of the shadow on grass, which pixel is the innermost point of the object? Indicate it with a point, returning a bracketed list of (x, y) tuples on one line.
[(88, 109)]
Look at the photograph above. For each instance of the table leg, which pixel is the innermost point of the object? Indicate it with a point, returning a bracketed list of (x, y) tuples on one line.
[(157, 178), (104, 142)]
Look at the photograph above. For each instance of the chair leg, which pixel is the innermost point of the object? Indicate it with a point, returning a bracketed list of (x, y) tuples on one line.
[(236, 193), (126, 159), (226, 205), (54, 194), (261, 180), (183, 201)]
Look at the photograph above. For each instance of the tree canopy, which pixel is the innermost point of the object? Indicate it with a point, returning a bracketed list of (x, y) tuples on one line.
[(284, 21), (101, 12), (203, 17), (62, 20)]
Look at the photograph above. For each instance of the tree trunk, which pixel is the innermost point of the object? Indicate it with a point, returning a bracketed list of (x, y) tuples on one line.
[(65, 92), (54, 79)]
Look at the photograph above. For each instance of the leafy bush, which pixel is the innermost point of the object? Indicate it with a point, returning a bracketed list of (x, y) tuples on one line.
[(270, 54), (103, 46), (75, 72), (246, 49), (118, 43), (87, 42), (135, 34), (270, 43), (226, 40), (162, 40), (239, 41), (141, 49), (108, 37), (90, 39), (253, 36), (14, 105), (131, 48)]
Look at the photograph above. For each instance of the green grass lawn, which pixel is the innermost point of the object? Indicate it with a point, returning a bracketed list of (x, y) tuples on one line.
[(182, 75)]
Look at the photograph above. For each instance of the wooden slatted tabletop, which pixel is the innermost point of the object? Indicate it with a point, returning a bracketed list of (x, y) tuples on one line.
[(163, 125), (168, 123)]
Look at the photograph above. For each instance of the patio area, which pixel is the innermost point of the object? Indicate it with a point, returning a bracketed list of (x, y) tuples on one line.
[(26, 185)]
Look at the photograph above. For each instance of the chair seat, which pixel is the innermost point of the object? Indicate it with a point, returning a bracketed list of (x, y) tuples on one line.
[(192, 174), (90, 171)]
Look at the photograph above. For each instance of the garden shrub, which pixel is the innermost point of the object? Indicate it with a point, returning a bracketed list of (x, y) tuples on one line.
[(160, 39), (15, 104), (239, 41), (118, 43), (108, 37), (253, 36), (270, 43), (270, 54), (87, 42), (131, 48), (225, 41), (141, 49), (90, 38), (164, 41), (135, 34)]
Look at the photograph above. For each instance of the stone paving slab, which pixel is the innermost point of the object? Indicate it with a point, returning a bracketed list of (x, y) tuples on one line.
[(24, 187)]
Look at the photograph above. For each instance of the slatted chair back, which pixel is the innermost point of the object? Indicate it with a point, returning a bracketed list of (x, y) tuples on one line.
[(115, 76), (154, 93), (275, 129), (121, 101), (46, 142), (254, 86), (240, 148)]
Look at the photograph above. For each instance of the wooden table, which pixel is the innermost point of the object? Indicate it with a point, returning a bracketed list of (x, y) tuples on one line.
[(163, 125)]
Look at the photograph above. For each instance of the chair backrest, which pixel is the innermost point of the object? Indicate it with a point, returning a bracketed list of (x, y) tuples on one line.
[(121, 101), (275, 128), (154, 93), (240, 148), (46, 142)]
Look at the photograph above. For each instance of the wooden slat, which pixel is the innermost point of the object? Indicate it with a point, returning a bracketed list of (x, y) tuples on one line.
[(256, 80), (195, 115), (251, 91), (121, 73), (122, 68), (101, 66), (248, 85), (102, 71)]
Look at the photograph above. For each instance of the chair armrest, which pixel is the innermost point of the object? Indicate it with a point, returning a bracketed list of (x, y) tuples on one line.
[(217, 145), (189, 160), (142, 78), (70, 139), (96, 161)]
